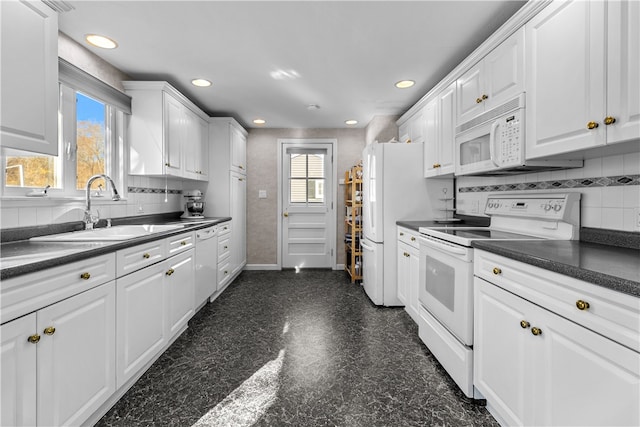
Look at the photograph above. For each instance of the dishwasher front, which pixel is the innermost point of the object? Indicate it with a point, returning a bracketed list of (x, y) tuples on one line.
[(206, 264)]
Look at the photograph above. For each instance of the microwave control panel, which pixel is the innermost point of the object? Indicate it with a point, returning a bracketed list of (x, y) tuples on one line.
[(510, 134)]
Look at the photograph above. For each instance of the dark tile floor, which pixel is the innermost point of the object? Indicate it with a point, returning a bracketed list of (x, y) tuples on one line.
[(300, 349)]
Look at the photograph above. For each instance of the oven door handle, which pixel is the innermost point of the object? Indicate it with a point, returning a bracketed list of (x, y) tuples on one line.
[(445, 247)]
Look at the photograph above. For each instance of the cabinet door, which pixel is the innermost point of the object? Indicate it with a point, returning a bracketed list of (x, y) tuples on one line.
[(403, 274), (623, 72), (141, 320), (29, 95), (501, 354), (238, 150), (414, 283), (174, 127), (504, 71), (431, 139), (581, 378), (18, 370), (179, 282), (203, 159), (191, 144), (565, 80), (76, 363), (469, 93), (446, 130), (417, 124), (238, 215)]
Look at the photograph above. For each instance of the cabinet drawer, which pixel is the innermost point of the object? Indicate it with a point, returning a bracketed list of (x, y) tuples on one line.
[(609, 313), (24, 294), (409, 237), (224, 247), (224, 228), (132, 259), (224, 273), (180, 243)]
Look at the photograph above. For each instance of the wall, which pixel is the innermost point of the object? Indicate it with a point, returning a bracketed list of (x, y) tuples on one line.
[(610, 188), (262, 174), (382, 129), (142, 195)]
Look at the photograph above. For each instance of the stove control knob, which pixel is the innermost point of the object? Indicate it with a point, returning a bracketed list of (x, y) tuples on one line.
[(557, 208), (547, 207)]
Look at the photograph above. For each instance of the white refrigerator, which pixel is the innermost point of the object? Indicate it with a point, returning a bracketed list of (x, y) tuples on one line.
[(394, 188)]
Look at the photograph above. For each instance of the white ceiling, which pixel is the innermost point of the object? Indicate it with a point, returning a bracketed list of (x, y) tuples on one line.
[(348, 55)]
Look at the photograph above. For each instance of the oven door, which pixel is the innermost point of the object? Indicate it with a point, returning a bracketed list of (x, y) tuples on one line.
[(446, 285)]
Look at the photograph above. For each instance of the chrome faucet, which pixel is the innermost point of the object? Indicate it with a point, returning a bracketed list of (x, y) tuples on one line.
[(89, 219)]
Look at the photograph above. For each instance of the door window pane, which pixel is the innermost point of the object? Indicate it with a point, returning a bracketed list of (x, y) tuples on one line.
[(90, 127), (306, 181)]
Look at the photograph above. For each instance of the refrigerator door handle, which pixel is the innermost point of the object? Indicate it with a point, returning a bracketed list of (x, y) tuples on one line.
[(364, 246)]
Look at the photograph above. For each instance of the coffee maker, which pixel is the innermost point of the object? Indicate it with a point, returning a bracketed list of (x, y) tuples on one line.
[(194, 206)]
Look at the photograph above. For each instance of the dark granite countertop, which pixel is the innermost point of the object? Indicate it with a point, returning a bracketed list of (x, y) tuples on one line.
[(20, 257), (616, 268)]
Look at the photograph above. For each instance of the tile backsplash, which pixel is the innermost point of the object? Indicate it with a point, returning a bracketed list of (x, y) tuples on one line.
[(144, 195), (610, 188)]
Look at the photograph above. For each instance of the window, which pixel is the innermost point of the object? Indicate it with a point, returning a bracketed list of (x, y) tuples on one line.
[(307, 178), (91, 141)]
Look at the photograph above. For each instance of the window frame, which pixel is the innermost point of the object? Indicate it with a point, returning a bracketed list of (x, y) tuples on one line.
[(117, 110)]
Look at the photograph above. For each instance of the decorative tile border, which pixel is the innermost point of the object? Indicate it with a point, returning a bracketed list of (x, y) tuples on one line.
[(604, 181), (152, 190)]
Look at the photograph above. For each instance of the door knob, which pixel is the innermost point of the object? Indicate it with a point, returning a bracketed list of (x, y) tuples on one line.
[(286, 214)]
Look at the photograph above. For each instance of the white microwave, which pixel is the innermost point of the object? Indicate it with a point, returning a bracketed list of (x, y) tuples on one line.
[(494, 144)]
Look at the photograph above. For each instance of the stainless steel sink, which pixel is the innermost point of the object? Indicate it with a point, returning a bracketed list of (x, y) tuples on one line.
[(116, 233)]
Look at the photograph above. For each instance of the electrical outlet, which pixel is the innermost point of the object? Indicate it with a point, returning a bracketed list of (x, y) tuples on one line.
[(140, 208), (262, 194)]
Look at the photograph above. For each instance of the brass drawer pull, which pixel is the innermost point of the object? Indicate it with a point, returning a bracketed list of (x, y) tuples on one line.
[(226, 272), (50, 330), (183, 243), (401, 233), (413, 239), (497, 271), (85, 276), (146, 255), (592, 125), (478, 100), (524, 324), (582, 305), (33, 339), (485, 97), (609, 120), (536, 331), (170, 272), (226, 247), (241, 167)]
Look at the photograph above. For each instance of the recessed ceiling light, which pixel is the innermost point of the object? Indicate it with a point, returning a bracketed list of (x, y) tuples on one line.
[(101, 41), (259, 121), (201, 82), (311, 107), (351, 122), (403, 84)]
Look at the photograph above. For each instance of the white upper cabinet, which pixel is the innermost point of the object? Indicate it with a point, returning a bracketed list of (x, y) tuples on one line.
[(168, 134), (29, 78), (497, 78), (413, 130), (238, 150), (439, 148), (582, 85)]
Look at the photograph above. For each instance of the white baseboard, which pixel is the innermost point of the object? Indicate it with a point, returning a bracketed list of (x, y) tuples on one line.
[(262, 267)]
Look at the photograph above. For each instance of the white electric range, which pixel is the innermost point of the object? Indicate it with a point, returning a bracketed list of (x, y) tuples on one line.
[(446, 269)]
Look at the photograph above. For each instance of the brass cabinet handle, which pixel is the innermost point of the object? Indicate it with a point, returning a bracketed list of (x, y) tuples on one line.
[(582, 305), (33, 339), (240, 179), (401, 233), (406, 254), (478, 100), (524, 324), (437, 165), (241, 167), (226, 247), (413, 239), (183, 243), (286, 214), (226, 272), (167, 164), (50, 330), (85, 276), (146, 255), (408, 140), (226, 228), (170, 272), (485, 97), (609, 120), (592, 125), (536, 331), (497, 271)]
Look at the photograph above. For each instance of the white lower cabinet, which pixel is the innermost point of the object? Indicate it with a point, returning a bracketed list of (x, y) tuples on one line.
[(408, 271), (225, 247), (536, 367), (141, 320), (179, 285), (18, 371)]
